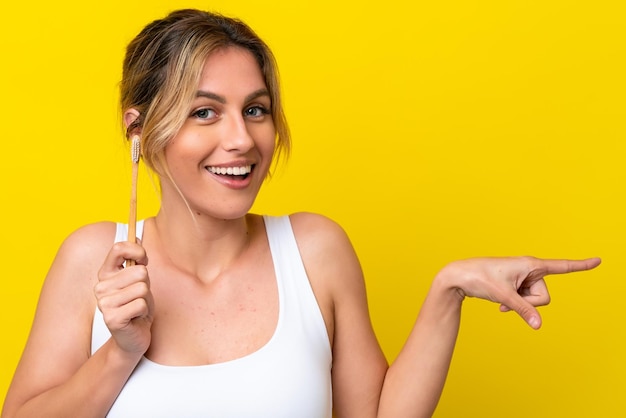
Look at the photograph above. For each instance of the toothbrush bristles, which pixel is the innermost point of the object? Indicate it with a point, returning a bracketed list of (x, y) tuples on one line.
[(135, 149)]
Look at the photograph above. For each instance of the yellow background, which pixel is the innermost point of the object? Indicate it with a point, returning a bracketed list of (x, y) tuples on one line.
[(430, 130)]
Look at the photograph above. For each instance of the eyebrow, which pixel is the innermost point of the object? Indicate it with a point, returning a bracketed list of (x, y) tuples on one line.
[(222, 99)]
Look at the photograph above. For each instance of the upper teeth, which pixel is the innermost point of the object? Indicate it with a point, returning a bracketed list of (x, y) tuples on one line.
[(233, 171)]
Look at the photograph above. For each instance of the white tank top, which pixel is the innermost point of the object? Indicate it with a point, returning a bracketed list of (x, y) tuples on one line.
[(288, 377)]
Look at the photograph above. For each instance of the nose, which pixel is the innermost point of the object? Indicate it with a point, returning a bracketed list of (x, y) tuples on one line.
[(237, 137)]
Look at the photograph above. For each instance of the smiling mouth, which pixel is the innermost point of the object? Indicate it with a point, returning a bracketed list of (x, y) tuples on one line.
[(240, 173)]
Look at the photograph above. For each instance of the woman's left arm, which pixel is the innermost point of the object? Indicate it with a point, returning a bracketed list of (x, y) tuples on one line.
[(415, 380), (363, 384), (334, 271)]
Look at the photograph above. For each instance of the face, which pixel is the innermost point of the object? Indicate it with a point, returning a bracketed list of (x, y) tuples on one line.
[(222, 154)]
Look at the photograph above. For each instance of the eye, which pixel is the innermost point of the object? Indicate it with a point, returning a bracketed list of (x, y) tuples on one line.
[(204, 113), (256, 111)]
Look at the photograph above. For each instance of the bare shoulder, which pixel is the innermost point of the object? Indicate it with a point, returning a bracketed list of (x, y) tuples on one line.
[(317, 231), (86, 247), (79, 258), (88, 238), (326, 251)]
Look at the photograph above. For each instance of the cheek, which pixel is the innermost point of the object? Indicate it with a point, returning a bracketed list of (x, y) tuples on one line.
[(179, 161), (185, 145), (266, 138)]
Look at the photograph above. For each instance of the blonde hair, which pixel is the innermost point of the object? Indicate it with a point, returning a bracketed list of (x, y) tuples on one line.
[(162, 70)]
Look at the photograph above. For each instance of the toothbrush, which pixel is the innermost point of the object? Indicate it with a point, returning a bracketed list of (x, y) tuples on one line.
[(135, 148)]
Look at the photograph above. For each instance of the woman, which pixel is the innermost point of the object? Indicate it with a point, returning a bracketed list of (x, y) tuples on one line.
[(226, 313)]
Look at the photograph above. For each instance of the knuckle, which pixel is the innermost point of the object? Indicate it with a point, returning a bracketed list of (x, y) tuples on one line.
[(523, 311), (140, 276), (142, 288), (104, 303), (142, 305), (531, 262), (118, 247), (143, 270), (139, 271), (137, 308), (98, 290)]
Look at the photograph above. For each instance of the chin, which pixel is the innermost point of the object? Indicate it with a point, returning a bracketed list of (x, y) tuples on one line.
[(230, 213)]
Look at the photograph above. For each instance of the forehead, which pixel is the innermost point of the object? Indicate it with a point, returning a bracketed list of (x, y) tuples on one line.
[(231, 70)]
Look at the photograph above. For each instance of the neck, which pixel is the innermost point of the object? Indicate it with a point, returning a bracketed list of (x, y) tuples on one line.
[(200, 246)]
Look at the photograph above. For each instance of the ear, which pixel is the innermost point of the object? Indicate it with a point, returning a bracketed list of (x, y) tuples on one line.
[(130, 116)]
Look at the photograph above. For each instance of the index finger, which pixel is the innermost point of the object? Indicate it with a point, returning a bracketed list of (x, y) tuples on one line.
[(119, 253), (556, 266)]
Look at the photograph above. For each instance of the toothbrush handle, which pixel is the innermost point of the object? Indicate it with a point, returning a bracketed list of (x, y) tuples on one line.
[(132, 217)]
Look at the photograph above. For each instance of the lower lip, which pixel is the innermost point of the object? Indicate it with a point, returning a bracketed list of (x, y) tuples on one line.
[(233, 182)]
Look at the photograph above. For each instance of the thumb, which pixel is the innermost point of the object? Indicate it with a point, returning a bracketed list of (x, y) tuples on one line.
[(524, 309)]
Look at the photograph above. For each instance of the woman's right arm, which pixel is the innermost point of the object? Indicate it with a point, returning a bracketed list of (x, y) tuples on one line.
[(57, 375)]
